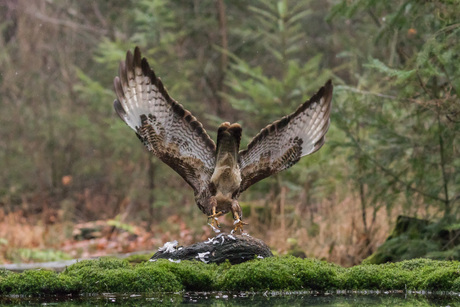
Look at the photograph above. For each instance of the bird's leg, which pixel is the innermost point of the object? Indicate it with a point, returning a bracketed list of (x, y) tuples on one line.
[(214, 216), (238, 223), (214, 221), (237, 216)]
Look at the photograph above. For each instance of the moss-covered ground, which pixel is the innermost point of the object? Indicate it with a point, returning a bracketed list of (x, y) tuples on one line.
[(417, 238), (276, 273)]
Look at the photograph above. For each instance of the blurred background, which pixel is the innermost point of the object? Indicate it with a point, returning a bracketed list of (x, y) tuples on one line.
[(76, 182)]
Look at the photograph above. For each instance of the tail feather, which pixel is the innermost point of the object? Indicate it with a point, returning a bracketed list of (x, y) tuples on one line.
[(228, 140)]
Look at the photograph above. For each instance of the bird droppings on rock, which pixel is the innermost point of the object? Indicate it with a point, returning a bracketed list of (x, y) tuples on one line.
[(234, 248), (168, 247), (202, 256)]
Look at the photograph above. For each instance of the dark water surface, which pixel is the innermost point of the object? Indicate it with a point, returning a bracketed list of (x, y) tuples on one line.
[(269, 298)]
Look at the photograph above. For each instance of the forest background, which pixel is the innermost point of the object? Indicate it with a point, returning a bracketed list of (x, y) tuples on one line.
[(68, 164)]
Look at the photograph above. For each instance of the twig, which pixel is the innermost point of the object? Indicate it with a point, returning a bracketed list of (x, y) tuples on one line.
[(70, 24), (355, 90), (391, 174)]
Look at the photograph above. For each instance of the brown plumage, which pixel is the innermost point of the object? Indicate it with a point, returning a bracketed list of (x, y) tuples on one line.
[(217, 174)]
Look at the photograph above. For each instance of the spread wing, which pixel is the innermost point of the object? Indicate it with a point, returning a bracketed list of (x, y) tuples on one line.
[(169, 131), (282, 143)]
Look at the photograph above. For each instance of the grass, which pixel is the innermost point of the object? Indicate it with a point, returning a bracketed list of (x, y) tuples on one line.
[(276, 273)]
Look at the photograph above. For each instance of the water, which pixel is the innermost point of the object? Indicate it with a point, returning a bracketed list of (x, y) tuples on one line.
[(241, 299)]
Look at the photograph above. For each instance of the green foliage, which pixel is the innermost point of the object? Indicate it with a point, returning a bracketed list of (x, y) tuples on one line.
[(267, 94), (105, 263), (383, 277), (4, 273), (285, 273), (400, 118), (315, 274), (260, 275), (415, 238), (444, 279), (37, 282), (264, 91), (413, 274), (194, 276), (138, 258), (393, 140), (400, 76), (402, 248), (115, 275)]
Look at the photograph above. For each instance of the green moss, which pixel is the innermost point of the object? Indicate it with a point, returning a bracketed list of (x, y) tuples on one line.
[(32, 282), (116, 275), (285, 273), (318, 275), (4, 273), (193, 275), (275, 273), (375, 277), (402, 248), (260, 275), (414, 238), (443, 279), (456, 285), (421, 263), (105, 263), (139, 258), (153, 279)]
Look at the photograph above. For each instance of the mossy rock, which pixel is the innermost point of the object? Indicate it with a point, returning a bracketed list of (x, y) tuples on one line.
[(223, 247), (34, 282), (416, 238), (274, 273), (138, 258), (375, 277), (117, 275)]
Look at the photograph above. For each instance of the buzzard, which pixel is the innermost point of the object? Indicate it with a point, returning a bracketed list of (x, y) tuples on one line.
[(218, 173)]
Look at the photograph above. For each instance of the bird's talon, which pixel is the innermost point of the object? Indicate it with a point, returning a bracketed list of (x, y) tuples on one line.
[(239, 226), (214, 219)]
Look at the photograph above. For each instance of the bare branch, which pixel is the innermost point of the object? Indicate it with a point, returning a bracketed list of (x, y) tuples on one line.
[(66, 23)]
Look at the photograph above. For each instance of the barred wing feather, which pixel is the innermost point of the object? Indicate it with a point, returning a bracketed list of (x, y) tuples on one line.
[(169, 131), (282, 143)]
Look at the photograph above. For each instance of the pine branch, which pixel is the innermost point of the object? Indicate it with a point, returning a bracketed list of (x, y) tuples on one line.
[(391, 173)]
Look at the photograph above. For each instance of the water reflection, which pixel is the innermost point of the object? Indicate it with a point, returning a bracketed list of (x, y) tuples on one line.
[(240, 299)]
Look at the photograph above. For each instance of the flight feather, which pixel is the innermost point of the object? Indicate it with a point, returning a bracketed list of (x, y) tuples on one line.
[(169, 131)]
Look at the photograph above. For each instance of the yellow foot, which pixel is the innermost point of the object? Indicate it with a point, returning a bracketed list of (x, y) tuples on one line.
[(214, 221), (239, 225)]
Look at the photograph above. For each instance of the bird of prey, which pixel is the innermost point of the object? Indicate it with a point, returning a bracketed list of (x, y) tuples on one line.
[(218, 173)]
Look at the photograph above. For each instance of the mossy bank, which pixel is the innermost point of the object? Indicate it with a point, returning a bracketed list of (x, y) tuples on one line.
[(275, 273)]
